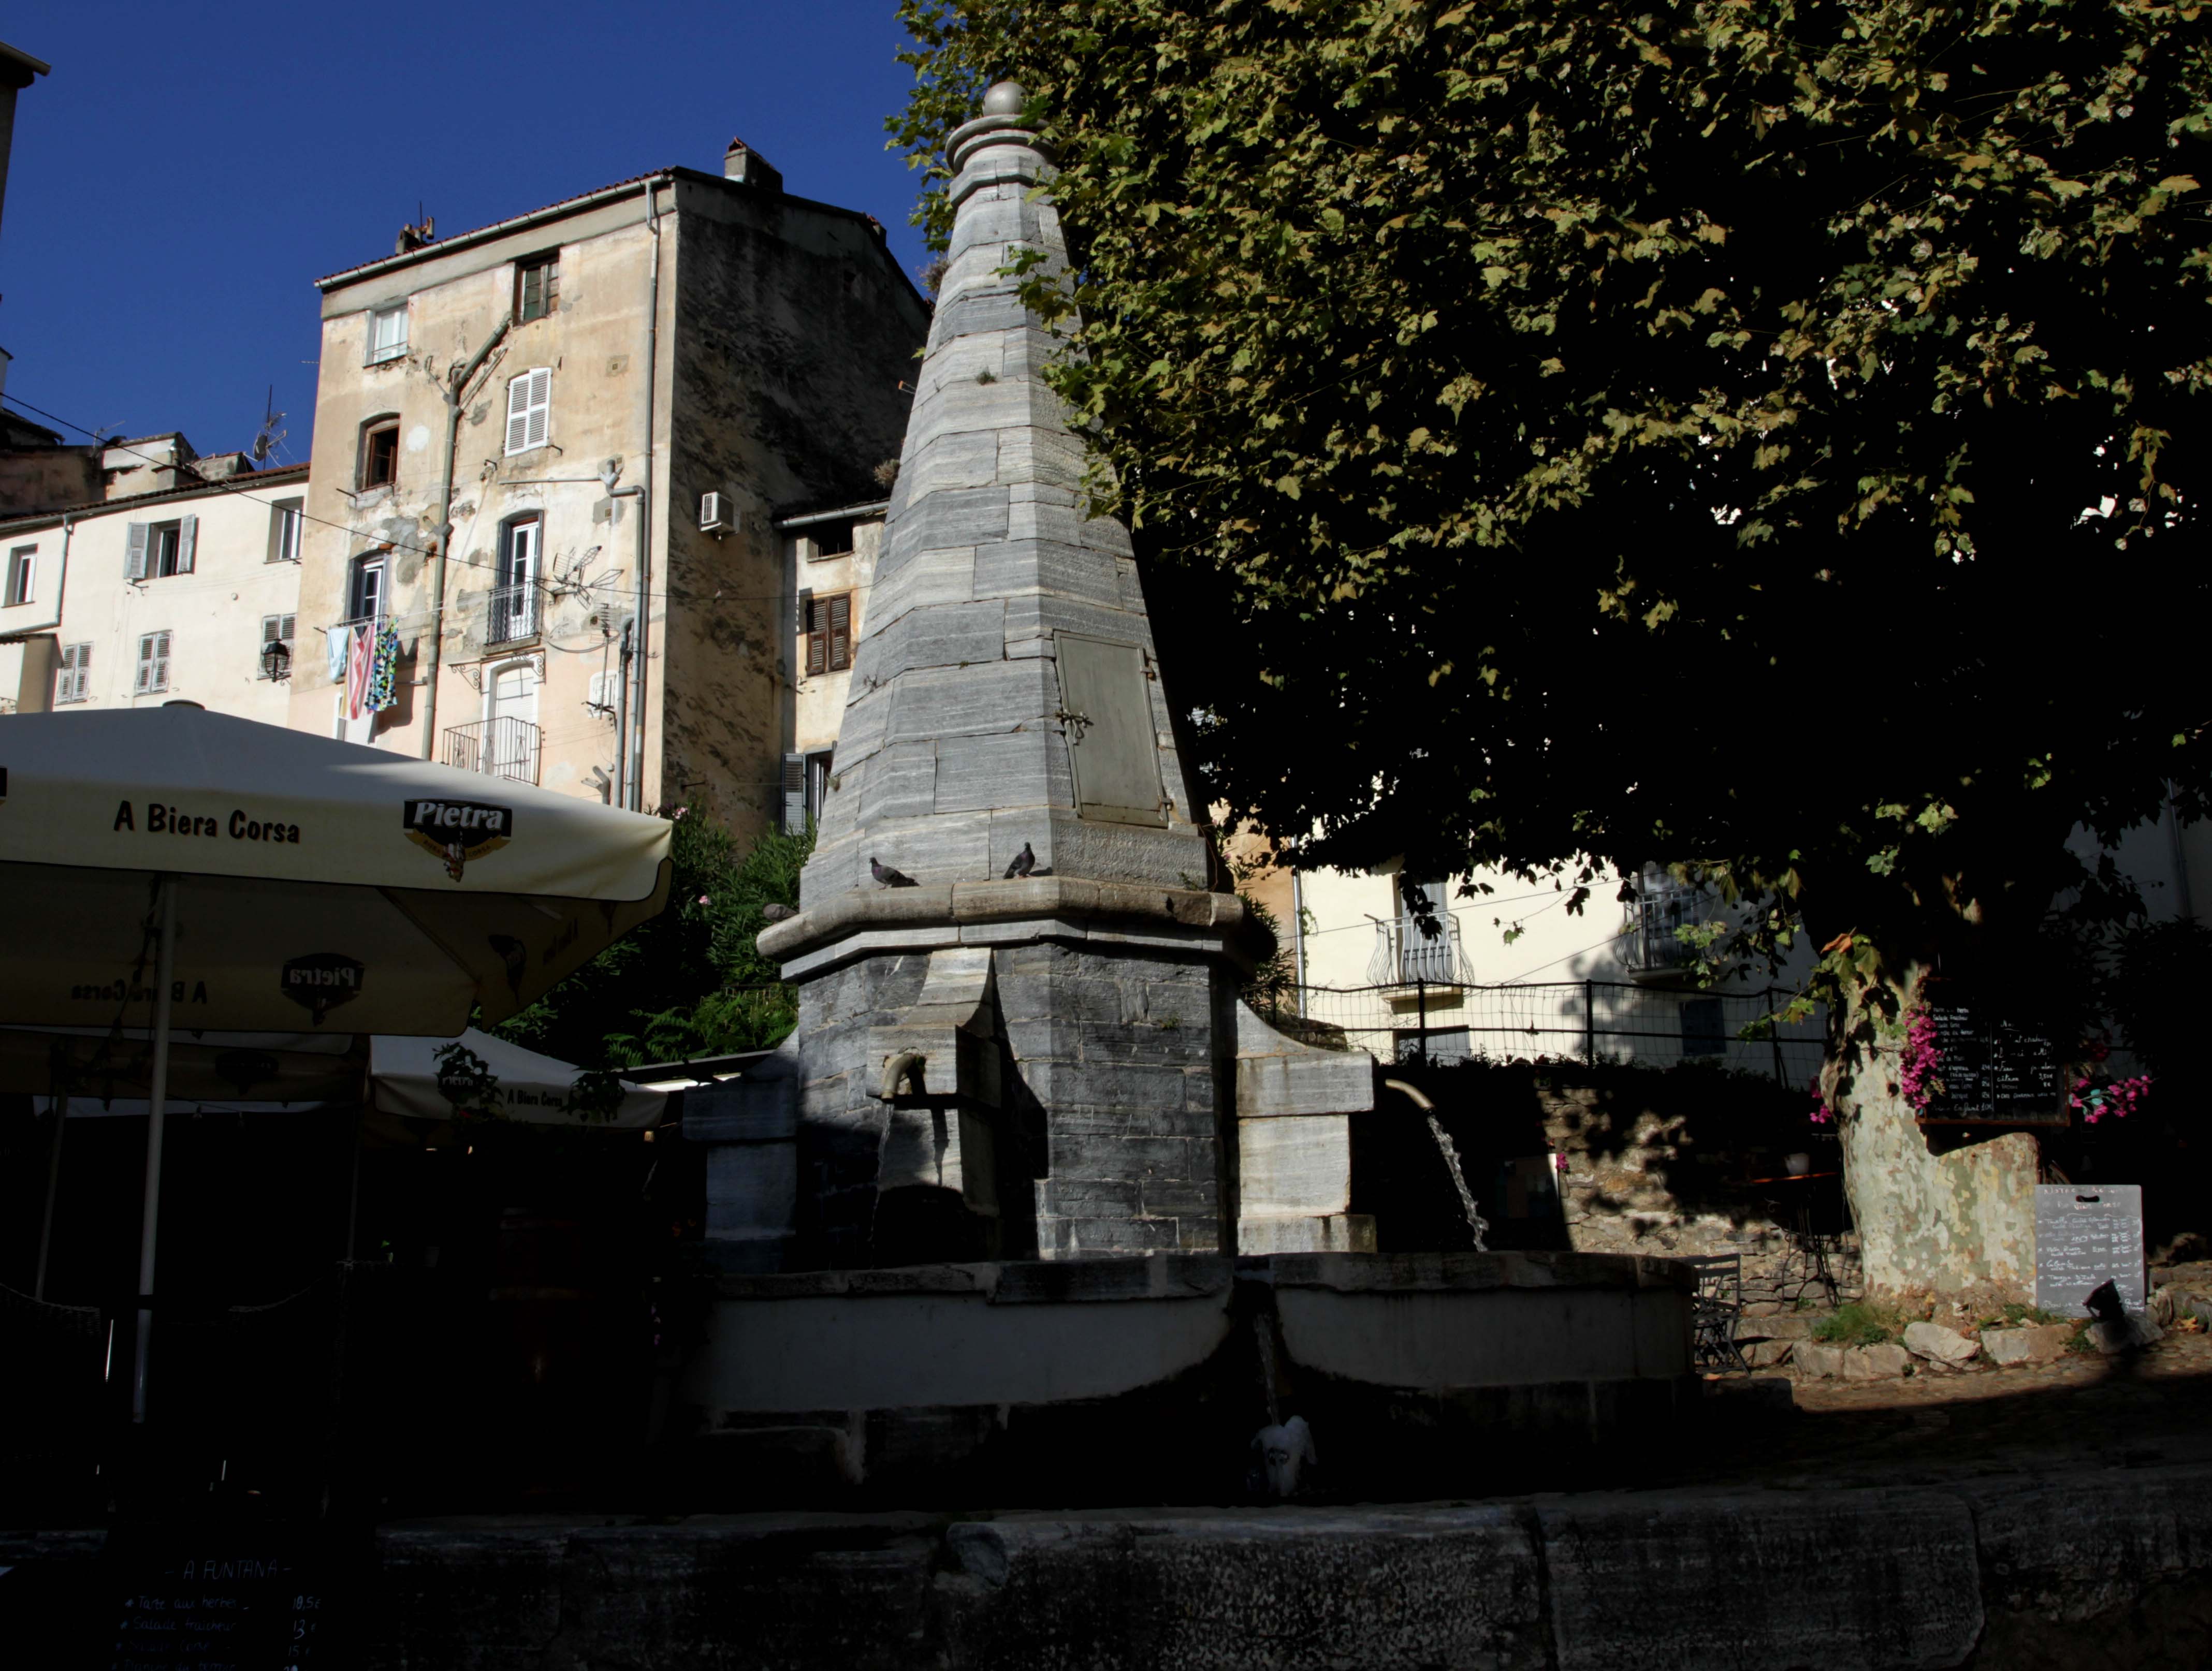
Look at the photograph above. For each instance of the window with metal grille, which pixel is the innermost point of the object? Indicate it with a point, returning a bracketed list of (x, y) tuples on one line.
[(379, 452), (275, 629), (22, 575), (537, 287), (73, 681), (829, 634), (529, 403), (153, 664)]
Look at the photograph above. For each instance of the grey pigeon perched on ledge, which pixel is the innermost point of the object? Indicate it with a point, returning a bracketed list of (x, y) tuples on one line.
[(889, 877), (1024, 863), (778, 912)]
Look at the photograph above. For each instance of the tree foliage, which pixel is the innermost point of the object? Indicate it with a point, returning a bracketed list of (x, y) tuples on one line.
[(1763, 433), (691, 981)]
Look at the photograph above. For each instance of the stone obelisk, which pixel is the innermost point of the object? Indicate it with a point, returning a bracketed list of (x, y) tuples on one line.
[(985, 1064)]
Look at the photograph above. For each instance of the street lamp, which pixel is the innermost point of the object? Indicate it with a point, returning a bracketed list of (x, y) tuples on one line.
[(276, 660)]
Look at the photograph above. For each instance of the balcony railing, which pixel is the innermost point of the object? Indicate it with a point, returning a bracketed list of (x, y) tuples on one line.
[(1405, 956), (500, 748), (1652, 942), (512, 615)]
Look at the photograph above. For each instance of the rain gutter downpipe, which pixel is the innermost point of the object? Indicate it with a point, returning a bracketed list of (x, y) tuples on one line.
[(455, 390), (634, 773)]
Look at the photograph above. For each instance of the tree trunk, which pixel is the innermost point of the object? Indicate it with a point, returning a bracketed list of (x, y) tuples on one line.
[(1964, 1221)]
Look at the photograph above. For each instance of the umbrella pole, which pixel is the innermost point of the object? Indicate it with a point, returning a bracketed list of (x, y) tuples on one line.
[(165, 963), (53, 1189)]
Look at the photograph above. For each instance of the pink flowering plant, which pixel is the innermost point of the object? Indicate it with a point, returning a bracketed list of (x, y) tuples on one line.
[(1920, 1072), (2094, 1098)]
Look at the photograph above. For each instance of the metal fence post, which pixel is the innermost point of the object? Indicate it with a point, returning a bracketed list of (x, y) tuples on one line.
[(1774, 1037), (1590, 1023), (1421, 1015)]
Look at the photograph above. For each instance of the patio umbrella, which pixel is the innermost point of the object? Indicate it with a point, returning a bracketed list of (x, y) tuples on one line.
[(404, 1076), (193, 870)]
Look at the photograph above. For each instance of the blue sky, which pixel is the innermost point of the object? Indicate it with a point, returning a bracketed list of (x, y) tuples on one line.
[(187, 171)]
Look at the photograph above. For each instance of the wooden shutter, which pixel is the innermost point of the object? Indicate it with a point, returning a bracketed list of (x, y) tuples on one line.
[(518, 412), (161, 661), (541, 405), (188, 539), (134, 559), (841, 633), (817, 637), (794, 794), (145, 664), (68, 687)]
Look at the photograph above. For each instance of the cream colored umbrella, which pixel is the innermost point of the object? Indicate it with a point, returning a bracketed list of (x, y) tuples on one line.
[(174, 868)]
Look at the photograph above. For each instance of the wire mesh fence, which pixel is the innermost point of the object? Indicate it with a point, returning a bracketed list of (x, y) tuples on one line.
[(1588, 1020)]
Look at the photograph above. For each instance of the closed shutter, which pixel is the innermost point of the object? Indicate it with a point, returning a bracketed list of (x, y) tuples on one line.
[(794, 794), (66, 685), (145, 664), (529, 398), (134, 559), (188, 539), (817, 637), (841, 633)]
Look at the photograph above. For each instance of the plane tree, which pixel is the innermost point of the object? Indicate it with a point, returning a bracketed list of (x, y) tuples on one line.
[(1763, 435)]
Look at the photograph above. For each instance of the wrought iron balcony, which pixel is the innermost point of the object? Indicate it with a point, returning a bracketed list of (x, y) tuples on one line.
[(1651, 943), (1405, 956), (500, 748), (512, 616)]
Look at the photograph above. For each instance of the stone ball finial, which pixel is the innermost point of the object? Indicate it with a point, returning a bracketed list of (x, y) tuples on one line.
[(1005, 99)]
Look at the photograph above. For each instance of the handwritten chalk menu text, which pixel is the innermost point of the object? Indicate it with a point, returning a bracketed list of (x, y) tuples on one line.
[(1991, 1071), (229, 1600), (2087, 1235)]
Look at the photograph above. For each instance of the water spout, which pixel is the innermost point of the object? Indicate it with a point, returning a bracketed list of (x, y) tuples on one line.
[(1475, 1222)]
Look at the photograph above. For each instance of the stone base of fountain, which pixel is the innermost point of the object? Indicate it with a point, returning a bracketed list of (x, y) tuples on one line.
[(1146, 1380)]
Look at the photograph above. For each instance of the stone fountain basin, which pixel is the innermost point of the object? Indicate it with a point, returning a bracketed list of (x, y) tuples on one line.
[(1143, 1379)]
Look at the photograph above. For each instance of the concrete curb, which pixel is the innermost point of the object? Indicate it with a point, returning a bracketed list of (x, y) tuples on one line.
[(2062, 1570)]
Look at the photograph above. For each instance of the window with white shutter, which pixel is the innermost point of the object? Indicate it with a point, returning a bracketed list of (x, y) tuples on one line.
[(134, 556), (529, 401), (153, 664), (188, 539), (275, 629), (73, 682)]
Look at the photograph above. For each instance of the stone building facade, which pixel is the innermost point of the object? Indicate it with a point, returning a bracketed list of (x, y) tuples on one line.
[(725, 346)]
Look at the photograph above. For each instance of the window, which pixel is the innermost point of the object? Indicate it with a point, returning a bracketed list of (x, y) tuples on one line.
[(529, 398), (364, 589), (287, 520), (73, 683), (514, 593), (275, 629), (1704, 1032), (806, 787), (537, 289), (829, 634), (832, 539), (153, 664), (158, 549), (379, 452), (387, 333), (22, 575)]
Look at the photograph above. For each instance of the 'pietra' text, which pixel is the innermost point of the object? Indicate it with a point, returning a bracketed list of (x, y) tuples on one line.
[(162, 820)]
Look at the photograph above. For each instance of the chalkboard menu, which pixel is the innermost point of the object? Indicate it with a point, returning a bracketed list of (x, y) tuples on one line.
[(1992, 1072), (232, 1599), (2087, 1235)]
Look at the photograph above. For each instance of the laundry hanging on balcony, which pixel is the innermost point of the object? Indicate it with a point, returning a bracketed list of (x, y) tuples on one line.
[(383, 661), (337, 647), (361, 654)]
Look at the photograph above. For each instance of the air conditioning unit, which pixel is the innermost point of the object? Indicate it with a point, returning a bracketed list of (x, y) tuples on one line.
[(717, 515)]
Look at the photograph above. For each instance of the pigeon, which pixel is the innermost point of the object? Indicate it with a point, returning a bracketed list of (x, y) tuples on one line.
[(1024, 862), (778, 912), (889, 877)]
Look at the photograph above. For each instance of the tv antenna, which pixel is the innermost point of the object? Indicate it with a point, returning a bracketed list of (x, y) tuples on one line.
[(266, 441)]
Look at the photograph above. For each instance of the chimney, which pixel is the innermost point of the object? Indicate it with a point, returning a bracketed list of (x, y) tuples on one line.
[(749, 167)]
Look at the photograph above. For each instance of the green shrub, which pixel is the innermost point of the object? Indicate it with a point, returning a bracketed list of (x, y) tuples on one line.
[(1858, 1324)]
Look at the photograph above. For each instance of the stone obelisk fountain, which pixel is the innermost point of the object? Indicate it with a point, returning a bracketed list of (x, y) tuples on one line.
[(1019, 1034)]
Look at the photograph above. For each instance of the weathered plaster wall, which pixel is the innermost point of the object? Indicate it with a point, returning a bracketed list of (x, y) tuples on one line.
[(37, 478), (797, 332)]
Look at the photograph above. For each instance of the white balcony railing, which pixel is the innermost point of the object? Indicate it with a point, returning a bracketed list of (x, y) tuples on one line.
[(1407, 953)]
